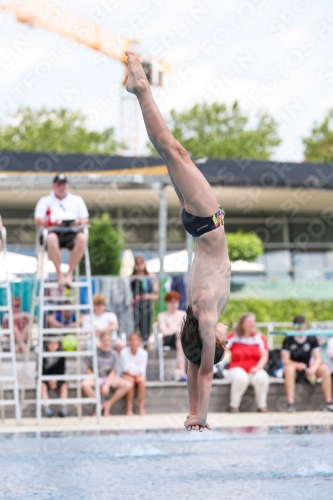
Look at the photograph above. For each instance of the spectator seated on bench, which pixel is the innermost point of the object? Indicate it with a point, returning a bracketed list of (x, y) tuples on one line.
[(169, 324), (101, 321), (249, 355), (21, 325), (54, 366), (133, 360), (299, 366), (108, 369), (62, 319)]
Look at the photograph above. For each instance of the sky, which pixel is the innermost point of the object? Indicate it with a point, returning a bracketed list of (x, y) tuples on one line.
[(270, 56)]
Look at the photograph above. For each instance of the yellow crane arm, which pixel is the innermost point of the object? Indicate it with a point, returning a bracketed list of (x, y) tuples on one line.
[(37, 13)]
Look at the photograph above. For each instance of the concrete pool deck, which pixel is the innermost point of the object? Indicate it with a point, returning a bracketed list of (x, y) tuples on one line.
[(174, 421)]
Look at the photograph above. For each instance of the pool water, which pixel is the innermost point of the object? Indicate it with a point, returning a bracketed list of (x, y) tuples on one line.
[(260, 464)]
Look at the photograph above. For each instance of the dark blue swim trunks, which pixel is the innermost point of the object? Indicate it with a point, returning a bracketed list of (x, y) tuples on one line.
[(197, 226)]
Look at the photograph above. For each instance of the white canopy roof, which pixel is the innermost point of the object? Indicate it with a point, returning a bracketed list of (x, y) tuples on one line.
[(19, 264), (177, 263)]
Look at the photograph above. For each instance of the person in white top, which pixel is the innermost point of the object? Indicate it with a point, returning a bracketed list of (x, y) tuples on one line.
[(133, 362), (169, 324), (101, 321), (62, 212)]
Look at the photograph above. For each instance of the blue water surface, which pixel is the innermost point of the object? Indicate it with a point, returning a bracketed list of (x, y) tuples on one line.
[(258, 464)]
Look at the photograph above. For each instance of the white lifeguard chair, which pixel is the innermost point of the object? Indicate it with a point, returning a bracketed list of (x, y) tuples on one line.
[(44, 302)]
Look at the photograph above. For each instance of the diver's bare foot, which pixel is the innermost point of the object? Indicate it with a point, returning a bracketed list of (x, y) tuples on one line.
[(129, 413), (142, 411), (137, 81)]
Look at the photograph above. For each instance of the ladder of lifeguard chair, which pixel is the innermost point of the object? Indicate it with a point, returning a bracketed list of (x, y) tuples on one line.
[(40, 287), (11, 355), (39, 252)]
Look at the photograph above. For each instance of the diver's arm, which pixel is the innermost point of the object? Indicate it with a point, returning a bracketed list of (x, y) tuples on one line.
[(206, 371), (192, 387), (204, 374)]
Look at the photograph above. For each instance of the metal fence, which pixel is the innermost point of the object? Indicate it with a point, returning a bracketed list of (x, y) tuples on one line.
[(275, 333), (120, 293)]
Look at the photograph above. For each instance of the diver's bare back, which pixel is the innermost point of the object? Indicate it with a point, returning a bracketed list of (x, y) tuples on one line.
[(210, 275)]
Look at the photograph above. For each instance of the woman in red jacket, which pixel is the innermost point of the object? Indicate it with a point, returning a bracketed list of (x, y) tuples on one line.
[(249, 355)]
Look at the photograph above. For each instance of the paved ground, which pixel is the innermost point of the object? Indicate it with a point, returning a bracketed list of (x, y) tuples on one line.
[(166, 422)]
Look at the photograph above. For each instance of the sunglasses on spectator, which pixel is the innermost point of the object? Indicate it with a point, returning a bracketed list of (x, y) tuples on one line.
[(298, 325)]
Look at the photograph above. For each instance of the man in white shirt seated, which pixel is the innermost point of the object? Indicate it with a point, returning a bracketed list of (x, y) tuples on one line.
[(101, 321), (62, 212)]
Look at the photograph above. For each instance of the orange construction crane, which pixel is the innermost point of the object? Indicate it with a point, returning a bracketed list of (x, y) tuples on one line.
[(53, 18)]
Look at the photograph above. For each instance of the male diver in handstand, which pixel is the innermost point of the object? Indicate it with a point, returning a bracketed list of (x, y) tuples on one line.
[(203, 337)]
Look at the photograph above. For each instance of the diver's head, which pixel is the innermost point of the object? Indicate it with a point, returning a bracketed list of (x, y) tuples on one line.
[(191, 340)]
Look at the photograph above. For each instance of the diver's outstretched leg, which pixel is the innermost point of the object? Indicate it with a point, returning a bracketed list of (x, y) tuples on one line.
[(199, 198)]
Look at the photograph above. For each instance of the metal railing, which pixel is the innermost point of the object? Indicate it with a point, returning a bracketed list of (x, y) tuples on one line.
[(7, 332), (277, 331), (270, 327), (43, 302)]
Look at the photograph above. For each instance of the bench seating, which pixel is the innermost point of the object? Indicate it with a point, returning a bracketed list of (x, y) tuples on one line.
[(171, 397)]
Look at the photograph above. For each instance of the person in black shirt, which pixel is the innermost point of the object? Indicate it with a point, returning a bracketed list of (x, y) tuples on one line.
[(295, 355), (54, 366)]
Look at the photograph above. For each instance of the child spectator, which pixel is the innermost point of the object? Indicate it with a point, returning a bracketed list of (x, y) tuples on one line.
[(134, 365), (108, 375), (62, 319), (102, 321), (21, 325), (54, 366), (169, 324)]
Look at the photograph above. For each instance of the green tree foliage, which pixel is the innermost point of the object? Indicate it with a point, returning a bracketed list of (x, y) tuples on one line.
[(278, 310), (105, 247), (55, 130), (244, 246), (319, 144), (218, 131)]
